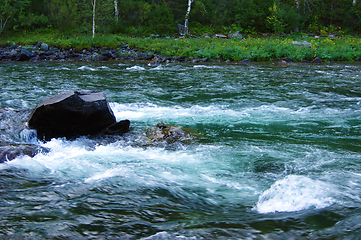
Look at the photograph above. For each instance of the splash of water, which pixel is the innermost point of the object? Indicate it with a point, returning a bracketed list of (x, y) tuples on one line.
[(295, 193)]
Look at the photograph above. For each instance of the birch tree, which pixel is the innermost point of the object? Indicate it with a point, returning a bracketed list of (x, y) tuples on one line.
[(6, 11), (93, 3), (116, 12), (187, 16), (297, 4), (8, 8), (354, 2)]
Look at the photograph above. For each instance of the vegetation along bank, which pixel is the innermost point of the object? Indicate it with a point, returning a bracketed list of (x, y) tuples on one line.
[(300, 48), (180, 30)]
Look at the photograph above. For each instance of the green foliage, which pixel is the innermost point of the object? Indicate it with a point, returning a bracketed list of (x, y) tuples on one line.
[(275, 20), (161, 19), (143, 17), (256, 49), (12, 13)]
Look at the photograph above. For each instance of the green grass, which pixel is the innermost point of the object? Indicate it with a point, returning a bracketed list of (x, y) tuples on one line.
[(255, 49)]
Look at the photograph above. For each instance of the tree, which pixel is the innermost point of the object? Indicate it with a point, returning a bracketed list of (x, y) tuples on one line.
[(94, 2), (187, 16), (9, 8), (116, 12)]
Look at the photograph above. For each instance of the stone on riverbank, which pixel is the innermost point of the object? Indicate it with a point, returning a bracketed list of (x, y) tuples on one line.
[(24, 55), (74, 114), (317, 60), (302, 44)]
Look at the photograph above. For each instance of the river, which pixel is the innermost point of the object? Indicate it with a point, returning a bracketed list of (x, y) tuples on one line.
[(280, 156)]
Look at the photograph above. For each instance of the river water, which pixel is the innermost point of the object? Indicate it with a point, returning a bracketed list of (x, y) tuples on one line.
[(280, 155)]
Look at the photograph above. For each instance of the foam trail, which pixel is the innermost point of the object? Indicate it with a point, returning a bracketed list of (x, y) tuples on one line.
[(166, 236), (135, 68), (205, 66), (295, 193), (86, 68)]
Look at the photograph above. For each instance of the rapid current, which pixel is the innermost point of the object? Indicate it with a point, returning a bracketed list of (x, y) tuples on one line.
[(280, 156)]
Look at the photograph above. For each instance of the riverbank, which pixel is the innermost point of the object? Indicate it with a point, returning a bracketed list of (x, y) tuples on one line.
[(41, 52), (298, 48)]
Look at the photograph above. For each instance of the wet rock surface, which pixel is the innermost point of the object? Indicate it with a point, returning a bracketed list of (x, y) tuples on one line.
[(9, 151), (41, 52), (167, 133)]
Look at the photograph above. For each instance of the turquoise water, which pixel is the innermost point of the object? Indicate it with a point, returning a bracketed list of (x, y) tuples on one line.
[(280, 157)]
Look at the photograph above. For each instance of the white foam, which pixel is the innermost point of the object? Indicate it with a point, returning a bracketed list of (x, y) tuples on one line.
[(84, 68), (74, 161), (295, 193), (109, 173), (205, 66), (227, 183), (62, 68), (166, 236), (103, 67), (135, 68), (140, 111), (149, 111)]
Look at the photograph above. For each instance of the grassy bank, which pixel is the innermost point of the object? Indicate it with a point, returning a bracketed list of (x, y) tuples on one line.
[(253, 48)]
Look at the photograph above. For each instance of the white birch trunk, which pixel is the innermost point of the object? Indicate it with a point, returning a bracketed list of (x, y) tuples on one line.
[(2, 26), (297, 4), (94, 3), (354, 2), (187, 16), (116, 13)]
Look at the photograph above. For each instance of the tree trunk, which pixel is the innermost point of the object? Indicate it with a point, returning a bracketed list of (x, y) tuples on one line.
[(297, 4), (94, 3), (187, 16), (116, 12), (2, 26), (298, 12), (354, 2)]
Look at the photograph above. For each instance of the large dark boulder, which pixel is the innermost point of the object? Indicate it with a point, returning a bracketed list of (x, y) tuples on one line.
[(72, 114)]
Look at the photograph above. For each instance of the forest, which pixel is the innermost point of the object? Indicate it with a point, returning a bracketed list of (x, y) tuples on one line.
[(163, 17)]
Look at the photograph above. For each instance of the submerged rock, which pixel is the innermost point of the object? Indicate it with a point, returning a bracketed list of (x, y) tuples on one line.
[(169, 133), (117, 128), (12, 123), (9, 151), (74, 114), (283, 64)]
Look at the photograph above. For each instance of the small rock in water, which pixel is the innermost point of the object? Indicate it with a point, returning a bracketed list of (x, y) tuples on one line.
[(283, 64), (11, 151), (117, 128), (169, 133)]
